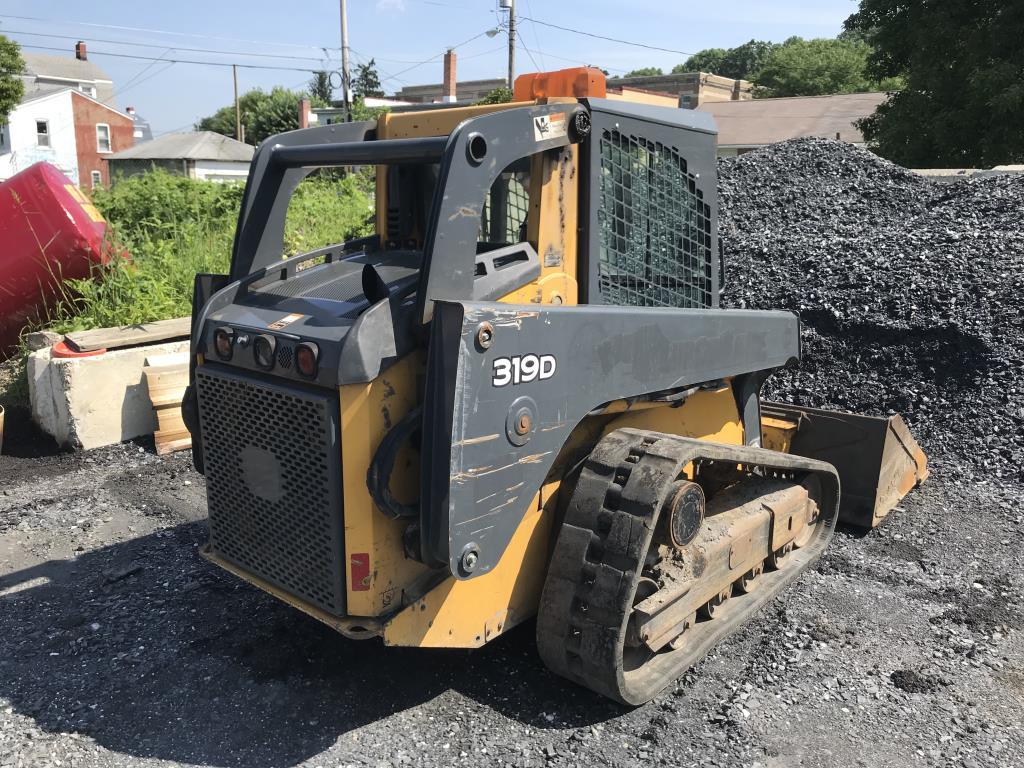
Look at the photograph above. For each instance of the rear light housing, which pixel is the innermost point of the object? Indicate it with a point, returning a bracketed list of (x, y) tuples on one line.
[(307, 359), (224, 343), (264, 349)]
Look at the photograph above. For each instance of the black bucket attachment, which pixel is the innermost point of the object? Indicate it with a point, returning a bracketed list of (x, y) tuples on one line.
[(878, 460)]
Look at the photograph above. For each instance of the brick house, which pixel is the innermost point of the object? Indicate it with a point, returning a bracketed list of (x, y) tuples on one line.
[(99, 132)]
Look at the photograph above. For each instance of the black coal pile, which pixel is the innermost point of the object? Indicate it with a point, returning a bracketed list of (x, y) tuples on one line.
[(910, 291)]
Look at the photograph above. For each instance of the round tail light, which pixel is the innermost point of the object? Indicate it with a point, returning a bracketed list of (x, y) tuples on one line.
[(223, 341), (263, 349), (307, 358)]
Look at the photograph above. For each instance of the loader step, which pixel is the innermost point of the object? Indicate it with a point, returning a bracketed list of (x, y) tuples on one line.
[(601, 623)]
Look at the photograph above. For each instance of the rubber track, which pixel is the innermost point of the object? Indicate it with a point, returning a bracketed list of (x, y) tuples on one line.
[(588, 595)]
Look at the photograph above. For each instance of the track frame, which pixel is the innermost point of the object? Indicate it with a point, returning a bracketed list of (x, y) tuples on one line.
[(598, 558)]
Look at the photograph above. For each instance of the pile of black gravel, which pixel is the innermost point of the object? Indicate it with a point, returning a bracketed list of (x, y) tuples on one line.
[(910, 291)]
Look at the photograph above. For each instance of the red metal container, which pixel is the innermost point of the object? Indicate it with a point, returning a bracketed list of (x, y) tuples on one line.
[(49, 231)]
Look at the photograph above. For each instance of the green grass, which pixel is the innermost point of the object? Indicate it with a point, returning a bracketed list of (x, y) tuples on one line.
[(174, 227)]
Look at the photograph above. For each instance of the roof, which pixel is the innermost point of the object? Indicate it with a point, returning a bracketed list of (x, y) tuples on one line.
[(467, 85), (766, 121), (45, 65), (199, 145), (34, 90)]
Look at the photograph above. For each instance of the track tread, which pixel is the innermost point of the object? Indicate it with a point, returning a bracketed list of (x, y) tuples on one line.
[(596, 564)]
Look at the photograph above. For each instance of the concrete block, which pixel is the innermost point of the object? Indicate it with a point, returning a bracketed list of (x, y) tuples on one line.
[(87, 402)]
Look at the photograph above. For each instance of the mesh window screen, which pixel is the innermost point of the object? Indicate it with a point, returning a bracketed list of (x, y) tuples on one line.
[(503, 225), (655, 227)]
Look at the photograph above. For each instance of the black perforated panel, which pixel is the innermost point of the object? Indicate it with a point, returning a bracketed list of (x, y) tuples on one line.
[(273, 466), (655, 227)]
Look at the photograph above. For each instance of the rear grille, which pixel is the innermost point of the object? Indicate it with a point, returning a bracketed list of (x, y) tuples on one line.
[(273, 468)]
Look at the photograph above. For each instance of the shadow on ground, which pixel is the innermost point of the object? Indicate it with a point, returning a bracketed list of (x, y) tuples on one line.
[(152, 652)]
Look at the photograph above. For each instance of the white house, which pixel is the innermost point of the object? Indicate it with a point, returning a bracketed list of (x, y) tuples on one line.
[(78, 73), (41, 127)]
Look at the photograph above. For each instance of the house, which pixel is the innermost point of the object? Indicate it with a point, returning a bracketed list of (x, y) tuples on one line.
[(142, 131), (747, 125), (78, 73), (198, 155), (65, 127), (691, 89)]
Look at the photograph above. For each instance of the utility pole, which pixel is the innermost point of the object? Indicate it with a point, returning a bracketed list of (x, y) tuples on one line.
[(511, 42), (345, 95), (238, 109)]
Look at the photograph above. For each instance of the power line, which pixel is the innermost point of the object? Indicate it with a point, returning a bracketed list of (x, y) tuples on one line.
[(603, 37), (181, 61), (145, 69), (169, 32), (528, 51), (436, 56), (176, 48), (536, 35), (144, 79)]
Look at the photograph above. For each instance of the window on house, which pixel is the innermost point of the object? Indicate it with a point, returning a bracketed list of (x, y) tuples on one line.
[(97, 179), (102, 137), (43, 133), (3, 136), (88, 90)]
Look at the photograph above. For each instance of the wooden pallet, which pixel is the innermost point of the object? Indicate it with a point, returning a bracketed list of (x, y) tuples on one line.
[(166, 377)]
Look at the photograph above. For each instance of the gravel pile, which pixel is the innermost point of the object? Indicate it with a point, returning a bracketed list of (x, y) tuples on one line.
[(909, 291)]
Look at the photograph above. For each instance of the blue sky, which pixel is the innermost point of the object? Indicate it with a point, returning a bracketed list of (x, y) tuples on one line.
[(399, 34)]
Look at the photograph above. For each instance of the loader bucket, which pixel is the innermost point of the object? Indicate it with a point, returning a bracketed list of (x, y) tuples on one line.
[(878, 460)]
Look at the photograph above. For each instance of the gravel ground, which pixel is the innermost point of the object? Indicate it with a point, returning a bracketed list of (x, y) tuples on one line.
[(120, 646)]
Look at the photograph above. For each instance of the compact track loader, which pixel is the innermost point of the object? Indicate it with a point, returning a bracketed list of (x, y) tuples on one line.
[(519, 397)]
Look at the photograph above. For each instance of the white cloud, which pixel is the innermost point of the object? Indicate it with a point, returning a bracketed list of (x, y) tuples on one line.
[(391, 5)]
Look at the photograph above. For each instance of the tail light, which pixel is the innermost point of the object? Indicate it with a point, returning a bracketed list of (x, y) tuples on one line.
[(263, 349), (223, 341), (307, 356)]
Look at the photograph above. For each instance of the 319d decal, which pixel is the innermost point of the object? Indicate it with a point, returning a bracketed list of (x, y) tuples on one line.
[(522, 369)]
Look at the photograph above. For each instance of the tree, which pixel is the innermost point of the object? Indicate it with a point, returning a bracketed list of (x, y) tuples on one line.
[(320, 86), (744, 62), (497, 96), (707, 60), (644, 72), (367, 81), (801, 67), (963, 104), (12, 88), (263, 114)]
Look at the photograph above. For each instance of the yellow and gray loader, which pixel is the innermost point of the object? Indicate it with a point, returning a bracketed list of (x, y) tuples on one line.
[(519, 397)]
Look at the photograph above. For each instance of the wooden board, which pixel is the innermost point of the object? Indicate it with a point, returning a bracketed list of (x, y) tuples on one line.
[(129, 335), (166, 385)]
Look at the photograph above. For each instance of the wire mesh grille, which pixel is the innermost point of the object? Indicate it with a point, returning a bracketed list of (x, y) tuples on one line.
[(510, 189), (272, 472), (655, 248)]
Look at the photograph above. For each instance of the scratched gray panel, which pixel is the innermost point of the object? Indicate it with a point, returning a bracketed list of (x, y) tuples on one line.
[(449, 257), (602, 354)]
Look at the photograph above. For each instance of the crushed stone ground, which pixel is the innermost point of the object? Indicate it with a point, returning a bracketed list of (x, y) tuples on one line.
[(120, 646)]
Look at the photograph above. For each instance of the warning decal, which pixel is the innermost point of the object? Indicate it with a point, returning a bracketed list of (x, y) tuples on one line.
[(549, 126), (284, 322)]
